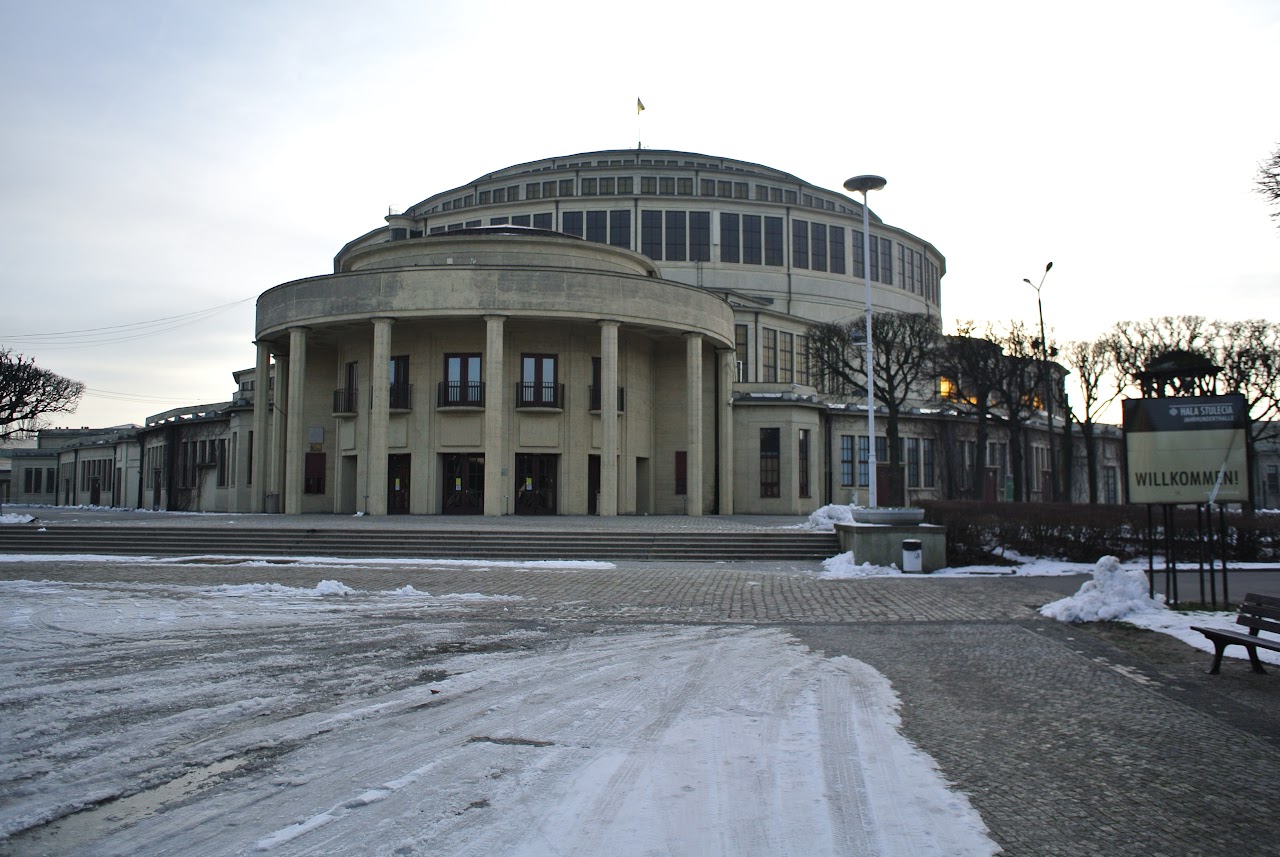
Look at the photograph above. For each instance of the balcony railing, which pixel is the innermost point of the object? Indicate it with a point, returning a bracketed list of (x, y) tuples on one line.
[(535, 395), (452, 394), (344, 401), (595, 398), (401, 397)]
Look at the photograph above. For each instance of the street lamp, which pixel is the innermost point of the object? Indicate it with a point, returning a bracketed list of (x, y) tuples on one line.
[(864, 184), (1048, 385)]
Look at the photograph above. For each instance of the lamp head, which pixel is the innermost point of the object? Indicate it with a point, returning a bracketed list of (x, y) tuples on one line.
[(862, 184)]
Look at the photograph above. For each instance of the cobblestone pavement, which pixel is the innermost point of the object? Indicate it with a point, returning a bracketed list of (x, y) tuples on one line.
[(1070, 740)]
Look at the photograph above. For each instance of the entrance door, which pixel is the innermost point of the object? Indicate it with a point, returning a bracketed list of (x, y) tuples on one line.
[(463, 488), (536, 484), (95, 491), (593, 485), (398, 484)]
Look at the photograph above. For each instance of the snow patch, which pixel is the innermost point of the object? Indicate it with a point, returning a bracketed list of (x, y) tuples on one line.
[(16, 519)]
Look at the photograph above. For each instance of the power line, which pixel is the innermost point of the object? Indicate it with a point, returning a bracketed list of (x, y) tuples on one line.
[(95, 336)]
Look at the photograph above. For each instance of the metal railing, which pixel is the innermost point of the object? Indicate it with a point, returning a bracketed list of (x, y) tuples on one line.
[(453, 394), (539, 395)]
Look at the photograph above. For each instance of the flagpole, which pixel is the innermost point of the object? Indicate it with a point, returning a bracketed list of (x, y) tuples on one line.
[(639, 110)]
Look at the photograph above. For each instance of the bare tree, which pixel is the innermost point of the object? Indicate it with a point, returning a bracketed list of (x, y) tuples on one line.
[(970, 367), (1019, 393), (904, 347), (1268, 181), (1100, 384), (28, 393), (1248, 356)]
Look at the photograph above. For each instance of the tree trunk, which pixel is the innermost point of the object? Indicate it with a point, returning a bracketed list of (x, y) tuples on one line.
[(1091, 459), (1016, 459), (977, 486)]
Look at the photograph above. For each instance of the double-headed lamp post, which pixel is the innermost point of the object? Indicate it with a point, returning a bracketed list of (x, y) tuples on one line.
[(864, 184), (1048, 384)]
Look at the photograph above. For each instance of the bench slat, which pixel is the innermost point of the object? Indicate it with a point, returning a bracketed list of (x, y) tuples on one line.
[(1260, 624), (1265, 600), (1244, 639), (1260, 610)]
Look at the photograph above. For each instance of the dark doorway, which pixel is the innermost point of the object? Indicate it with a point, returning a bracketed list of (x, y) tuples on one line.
[(398, 484), (155, 490), (889, 487), (463, 477), (536, 484), (593, 485), (95, 492)]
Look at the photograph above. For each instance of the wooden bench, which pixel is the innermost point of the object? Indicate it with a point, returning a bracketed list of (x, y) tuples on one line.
[(1257, 613)]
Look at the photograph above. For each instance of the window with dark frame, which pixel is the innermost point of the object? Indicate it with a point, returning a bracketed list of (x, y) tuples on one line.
[(598, 227), (773, 242), (799, 243), (769, 356), (461, 385), (770, 462), (752, 248), (620, 229), (399, 398), (846, 460), (538, 386), (676, 236), (742, 350), (802, 462), (818, 254), (571, 223), (651, 234), (730, 249), (836, 246), (699, 236)]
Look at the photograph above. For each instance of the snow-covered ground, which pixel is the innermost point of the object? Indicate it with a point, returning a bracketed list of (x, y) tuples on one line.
[(264, 719)]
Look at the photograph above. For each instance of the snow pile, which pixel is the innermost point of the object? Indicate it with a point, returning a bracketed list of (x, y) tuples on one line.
[(843, 567), (16, 519), (827, 517), (1112, 594), (333, 587)]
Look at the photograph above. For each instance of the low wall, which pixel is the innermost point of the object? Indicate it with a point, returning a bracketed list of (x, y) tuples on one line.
[(881, 544)]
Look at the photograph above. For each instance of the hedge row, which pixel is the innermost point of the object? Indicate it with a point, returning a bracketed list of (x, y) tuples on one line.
[(982, 533)]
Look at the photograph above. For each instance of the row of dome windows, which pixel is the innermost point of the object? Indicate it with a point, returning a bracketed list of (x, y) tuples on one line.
[(627, 186), (748, 239)]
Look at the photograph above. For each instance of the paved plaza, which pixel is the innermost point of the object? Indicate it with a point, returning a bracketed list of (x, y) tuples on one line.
[(1069, 740)]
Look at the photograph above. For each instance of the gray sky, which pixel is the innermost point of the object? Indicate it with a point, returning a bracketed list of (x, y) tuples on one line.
[(163, 158)]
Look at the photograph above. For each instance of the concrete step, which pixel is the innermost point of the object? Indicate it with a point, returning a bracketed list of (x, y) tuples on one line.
[(425, 544)]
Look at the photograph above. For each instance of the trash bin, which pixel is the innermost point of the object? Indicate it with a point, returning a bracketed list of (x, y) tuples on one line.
[(911, 556)]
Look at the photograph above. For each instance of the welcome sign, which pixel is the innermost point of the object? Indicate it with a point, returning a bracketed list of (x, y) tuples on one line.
[(1187, 450)]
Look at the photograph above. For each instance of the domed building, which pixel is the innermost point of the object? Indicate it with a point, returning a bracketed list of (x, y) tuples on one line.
[(615, 332)]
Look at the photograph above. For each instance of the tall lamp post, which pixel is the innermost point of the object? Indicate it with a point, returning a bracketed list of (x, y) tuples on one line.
[(1048, 385), (863, 185)]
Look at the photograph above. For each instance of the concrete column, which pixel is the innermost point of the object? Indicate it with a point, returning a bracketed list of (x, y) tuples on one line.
[(693, 404), (608, 506), (379, 417), (279, 416), (261, 422), (497, 482), (295, 433), (728, 371)]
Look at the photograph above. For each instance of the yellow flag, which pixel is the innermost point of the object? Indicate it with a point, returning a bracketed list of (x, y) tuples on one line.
[(639, 106)]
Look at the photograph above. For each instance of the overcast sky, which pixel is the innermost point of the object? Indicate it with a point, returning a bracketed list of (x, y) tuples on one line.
[(159, 159)]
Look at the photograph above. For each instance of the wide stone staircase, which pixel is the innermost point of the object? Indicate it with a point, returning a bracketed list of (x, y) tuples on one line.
[(434, 543)]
